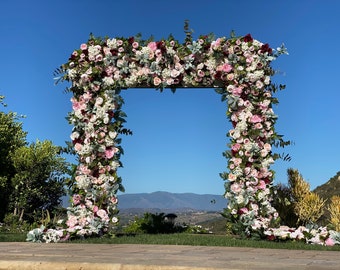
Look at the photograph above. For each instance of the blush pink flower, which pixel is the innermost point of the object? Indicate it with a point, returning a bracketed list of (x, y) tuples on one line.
[(76, 199), (78, 147), (152, 46), (236, 188), (255, 119), (109, 153), (329, 242), (157, 81), (135, 45), (237, 91), (262, 185), (225, 68), (236, 147), (72, 221), (243, 210), (83, 46)]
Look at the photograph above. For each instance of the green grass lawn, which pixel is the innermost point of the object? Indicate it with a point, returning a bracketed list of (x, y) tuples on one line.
[(183, 239)]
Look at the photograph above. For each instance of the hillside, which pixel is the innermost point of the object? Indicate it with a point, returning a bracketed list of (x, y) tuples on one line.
[(172, 201), (330, 188)]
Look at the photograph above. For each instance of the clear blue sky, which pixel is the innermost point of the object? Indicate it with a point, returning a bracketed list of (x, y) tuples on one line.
[(178, 138)]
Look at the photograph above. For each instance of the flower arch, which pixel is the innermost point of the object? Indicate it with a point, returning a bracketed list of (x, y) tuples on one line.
[(238, 68)]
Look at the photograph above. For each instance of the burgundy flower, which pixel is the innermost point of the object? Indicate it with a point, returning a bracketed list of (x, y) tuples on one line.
[(265, 48), (131, 40), (271, 237), (247, 38)]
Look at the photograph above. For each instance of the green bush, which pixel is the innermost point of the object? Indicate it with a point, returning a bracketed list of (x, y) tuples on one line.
[(152, 224)]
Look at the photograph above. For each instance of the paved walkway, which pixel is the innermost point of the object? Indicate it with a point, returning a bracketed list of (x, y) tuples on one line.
[(151, 257)]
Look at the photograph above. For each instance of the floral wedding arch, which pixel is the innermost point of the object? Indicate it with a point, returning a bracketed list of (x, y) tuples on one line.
[(238, 68)]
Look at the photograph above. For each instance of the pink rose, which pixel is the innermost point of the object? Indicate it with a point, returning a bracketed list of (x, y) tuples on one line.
[(237, 91), (78, 147), (236, 147), (157, 81), (267, 146), (226, 68), (152, 46), (231, 177), (95, 209), (83, 47), (262, 185), (76, 199), (72, 221), (255, 119), (135, 45), (329, 242), (109, 152), (243, 210), (236, 188)]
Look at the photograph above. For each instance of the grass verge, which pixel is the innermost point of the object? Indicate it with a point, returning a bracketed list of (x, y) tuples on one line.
[(184, 239)]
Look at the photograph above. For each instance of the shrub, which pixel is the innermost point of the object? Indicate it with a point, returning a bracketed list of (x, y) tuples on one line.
[(309, 209), (284, 204), (152, 224), (298, 186), (295, 203), (334, 211)]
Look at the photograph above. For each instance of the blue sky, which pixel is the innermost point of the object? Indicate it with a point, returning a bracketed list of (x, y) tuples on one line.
[(178, 138)]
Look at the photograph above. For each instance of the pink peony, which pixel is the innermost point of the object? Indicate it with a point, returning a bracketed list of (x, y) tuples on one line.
[(109, 152), (329, 242), (255, 119), (72, 221), (152, 46), (262, 185), (236, 147), (236, 188)]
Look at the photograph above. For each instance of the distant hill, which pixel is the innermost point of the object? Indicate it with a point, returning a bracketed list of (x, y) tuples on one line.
[(172, 201), (330, 188)]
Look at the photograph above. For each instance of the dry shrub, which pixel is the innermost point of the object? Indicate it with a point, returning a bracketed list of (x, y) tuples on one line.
[(310, 208), (334, 210), (299, 187)]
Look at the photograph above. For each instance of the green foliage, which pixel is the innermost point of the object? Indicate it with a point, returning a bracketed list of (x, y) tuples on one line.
[(283, 203), (152, 224), (39, 179), (12, 137)]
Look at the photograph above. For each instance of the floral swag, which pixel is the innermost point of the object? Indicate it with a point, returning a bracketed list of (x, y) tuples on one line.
[(238, 68)]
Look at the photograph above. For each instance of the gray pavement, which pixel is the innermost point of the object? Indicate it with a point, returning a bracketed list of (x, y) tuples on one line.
[(141, 257)]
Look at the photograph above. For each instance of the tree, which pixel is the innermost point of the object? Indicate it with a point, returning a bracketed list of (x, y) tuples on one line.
[(39, 179), (12, 137)]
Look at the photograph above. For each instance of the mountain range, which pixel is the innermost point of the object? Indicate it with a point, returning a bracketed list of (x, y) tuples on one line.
[(172, 201)]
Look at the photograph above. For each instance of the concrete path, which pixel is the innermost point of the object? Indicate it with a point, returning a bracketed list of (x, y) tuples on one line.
[(29, 256)]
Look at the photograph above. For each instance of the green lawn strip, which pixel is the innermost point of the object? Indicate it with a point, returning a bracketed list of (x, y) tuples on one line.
[(204, 240), (184, 239), (12, 237)]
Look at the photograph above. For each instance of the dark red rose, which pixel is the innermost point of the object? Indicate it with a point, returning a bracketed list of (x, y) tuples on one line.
[(111, 114), (131, 40), (218, 75), (247, 38), (265, 48), (271, 237)]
